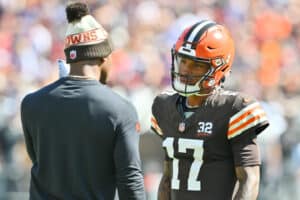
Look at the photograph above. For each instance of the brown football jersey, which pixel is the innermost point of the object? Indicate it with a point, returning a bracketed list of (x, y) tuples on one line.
[(205, 147)]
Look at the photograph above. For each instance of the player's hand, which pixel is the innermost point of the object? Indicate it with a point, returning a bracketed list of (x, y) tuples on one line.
[(63, 68)]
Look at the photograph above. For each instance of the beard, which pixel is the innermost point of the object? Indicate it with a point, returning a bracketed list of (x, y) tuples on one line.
[(103, 77)]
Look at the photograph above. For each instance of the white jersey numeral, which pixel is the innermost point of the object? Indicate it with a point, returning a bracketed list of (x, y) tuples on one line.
[(183, 145), (168, 144)]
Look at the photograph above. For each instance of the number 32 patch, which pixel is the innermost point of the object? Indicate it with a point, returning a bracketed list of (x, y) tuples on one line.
[(205, 127)]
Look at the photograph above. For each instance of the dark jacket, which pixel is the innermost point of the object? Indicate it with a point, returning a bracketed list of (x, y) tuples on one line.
[(83, 142)]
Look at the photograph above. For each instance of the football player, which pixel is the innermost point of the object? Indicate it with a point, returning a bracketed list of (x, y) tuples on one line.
[(208, 134)]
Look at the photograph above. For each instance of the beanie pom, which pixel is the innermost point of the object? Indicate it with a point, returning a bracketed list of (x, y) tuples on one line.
[(76, 11)]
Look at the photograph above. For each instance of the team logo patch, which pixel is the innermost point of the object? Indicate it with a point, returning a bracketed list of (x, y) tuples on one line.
[(211, 82), (138, 127), (181, 127), (246, 100), (73, 54)]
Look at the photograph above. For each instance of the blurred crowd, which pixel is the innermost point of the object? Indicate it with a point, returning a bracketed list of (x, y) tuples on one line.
[(266, 66)]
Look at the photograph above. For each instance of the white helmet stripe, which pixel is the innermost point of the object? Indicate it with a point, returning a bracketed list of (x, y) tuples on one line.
[(197, 29)]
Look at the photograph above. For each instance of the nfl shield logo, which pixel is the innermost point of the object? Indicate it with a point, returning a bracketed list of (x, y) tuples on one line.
[(181, 127), (73, 54)]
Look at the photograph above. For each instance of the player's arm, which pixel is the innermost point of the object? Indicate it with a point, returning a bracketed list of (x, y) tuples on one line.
[(244, 126), (247, 166), (164, 188), (248, 179)]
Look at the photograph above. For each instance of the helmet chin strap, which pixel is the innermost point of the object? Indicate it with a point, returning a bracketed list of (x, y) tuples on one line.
[(187, 90), (201, 95), (194, 94)]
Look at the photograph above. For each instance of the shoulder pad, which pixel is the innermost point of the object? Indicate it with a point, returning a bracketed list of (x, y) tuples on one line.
[(159, 108)]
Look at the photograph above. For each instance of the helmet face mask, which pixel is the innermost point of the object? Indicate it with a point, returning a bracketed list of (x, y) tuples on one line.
[(205, 44), (190, 82)]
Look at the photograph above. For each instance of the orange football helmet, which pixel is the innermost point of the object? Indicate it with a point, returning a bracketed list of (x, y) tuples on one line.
[(206, 42)]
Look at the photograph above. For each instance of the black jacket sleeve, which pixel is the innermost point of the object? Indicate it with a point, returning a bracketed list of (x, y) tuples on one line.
[(129, 175), (25, 125)]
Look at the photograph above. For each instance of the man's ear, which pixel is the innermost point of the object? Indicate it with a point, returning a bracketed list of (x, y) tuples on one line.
[(107, 60), (105, 68)]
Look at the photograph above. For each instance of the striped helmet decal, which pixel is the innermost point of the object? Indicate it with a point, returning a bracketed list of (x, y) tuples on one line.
[(196, 31)]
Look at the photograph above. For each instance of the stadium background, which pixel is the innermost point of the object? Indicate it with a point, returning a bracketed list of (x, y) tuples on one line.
[(267, 37)]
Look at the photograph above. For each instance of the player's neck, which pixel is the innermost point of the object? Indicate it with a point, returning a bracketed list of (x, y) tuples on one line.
[(85, 71), (195, 101)]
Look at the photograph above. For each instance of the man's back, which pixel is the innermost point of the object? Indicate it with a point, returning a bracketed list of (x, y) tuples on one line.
[(74, 127)]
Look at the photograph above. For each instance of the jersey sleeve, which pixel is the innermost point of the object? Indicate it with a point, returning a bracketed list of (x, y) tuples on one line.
[(249, 117), (155, 118), (245, 150)]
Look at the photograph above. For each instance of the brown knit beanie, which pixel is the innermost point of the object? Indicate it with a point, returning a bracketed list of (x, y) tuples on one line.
[(85, 37)]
